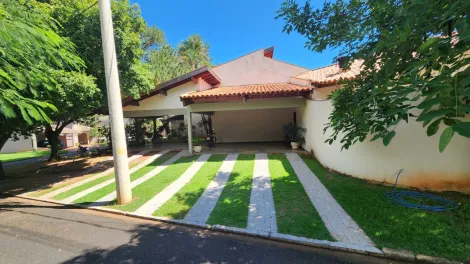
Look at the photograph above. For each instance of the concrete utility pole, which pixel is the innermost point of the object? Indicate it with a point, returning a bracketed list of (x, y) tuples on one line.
[(116, 119)]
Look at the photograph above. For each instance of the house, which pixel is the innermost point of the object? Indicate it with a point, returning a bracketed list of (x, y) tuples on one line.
[(250, 99), (72, 135)]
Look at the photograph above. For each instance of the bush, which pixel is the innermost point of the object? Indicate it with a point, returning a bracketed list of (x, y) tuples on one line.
[(294, 133)]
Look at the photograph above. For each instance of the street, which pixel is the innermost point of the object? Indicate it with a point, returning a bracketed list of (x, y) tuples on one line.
[(37, 232)]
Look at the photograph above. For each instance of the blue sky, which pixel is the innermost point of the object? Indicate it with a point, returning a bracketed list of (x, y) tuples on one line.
[(232, 28)]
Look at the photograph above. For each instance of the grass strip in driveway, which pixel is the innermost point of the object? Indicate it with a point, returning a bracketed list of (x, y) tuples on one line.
[(147, 190), (73, 191), (232, 207), (295, 213), (96, 195), (179, 205), (445, 234)]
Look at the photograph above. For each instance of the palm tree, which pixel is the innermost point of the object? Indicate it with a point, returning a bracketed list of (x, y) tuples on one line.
[(195, 52)]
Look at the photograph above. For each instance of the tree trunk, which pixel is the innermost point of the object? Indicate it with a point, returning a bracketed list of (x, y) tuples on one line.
[(3, 139), (53, 139)]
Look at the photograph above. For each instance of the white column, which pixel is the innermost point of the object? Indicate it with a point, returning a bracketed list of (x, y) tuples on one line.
[(116, 119), (189, 119)]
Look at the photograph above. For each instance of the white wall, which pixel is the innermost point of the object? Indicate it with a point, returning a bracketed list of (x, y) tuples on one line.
[(255, 68), (18, 146), (251, 125), (411, 150), (161, 102)]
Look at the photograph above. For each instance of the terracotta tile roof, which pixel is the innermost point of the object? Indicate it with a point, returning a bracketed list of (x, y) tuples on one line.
[(252, 89), (331, 74)]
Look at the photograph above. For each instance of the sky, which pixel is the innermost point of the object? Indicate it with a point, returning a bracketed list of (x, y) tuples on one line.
[(233, 28)]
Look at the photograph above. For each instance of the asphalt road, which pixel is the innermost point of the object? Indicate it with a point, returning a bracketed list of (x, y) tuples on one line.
[(36, 232)]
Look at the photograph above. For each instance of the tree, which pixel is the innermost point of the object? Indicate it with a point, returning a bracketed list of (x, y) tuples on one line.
[(29, 44), (75, 95), (81, 24), (416, 57), (166, 65), (81, 94), (194, 52)]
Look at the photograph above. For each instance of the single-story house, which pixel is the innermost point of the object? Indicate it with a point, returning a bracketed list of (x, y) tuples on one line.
[(250, 99)]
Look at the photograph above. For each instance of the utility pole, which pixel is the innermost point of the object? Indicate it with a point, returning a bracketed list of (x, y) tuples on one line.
[(116, 119)]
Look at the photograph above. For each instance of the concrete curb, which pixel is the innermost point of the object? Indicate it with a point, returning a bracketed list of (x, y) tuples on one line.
[(274, 236)]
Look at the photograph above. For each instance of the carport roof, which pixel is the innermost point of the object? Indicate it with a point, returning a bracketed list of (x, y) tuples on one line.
[(253, 90)]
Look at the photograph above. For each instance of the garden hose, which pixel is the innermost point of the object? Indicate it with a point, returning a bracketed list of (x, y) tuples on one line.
[(438, 204)]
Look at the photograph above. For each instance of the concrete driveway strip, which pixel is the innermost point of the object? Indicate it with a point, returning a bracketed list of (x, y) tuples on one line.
[(92, 178), (112, 196), (156, 202), (262, 213), (110, 181), (37, 232), (202, 209), (341, 226)]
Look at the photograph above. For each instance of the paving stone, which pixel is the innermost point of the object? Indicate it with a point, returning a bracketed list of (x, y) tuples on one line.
[(399, 254), (112, 196), (89, 179), (161, 198), (202, 209), (262, 214), (340, 225)]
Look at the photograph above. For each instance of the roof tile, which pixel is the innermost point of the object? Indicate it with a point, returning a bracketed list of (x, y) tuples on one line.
[(252, 89), (332, 73)]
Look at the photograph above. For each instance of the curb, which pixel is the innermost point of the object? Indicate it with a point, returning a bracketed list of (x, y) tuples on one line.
[(386, 253)]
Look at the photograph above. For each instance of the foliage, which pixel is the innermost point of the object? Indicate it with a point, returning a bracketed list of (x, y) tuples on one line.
[(294, 133), (197, 141), (165, 64), (415, 57), (101, 131), (28, 45), (81, 24), (195, 52)]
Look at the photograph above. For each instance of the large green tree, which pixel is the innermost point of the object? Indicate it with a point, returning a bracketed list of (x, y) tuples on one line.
[(416, 58), (28, 45), (80, 22), (194, 51), (75, 95), (166, 63)]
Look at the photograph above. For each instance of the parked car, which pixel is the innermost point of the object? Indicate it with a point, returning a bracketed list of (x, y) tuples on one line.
[(45, 143)]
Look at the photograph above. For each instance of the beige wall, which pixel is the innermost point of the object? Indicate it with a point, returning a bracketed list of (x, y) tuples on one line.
[(251, 125), (159, 102), (18, 146), (255, 68), (411, 150)]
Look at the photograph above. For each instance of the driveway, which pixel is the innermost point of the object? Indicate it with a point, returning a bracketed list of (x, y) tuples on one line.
[(37, 232)]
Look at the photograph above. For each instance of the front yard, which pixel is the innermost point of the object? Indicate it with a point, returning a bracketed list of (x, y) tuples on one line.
[(172, 184), (10, 157)]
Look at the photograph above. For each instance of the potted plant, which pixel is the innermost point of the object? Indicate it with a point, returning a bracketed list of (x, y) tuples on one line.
[(294, 134), (197, 144)]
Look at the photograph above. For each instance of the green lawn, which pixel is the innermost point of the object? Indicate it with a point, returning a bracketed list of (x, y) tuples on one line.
[(389, 225), (294, 216), (73, 191), (10, 157), (100, 193), (144, 192), (232, 207), (180, 204)]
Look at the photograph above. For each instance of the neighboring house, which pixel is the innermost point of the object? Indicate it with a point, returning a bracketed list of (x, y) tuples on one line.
[(72, 135), (252, 97), (23, 144)]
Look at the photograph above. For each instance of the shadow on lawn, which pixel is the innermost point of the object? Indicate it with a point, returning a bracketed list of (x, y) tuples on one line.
[(42, 175)]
